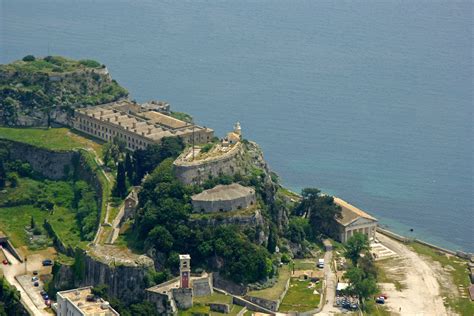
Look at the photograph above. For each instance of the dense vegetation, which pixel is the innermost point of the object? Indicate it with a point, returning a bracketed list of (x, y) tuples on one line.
[(31, 88), (362, 275), (70, 206), (163, 226), (10, 300)]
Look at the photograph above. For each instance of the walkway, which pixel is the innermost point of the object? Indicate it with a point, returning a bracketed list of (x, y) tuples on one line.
[(331, 283), (17, 268)]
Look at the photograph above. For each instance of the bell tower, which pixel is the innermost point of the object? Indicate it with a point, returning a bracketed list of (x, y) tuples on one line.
[(184, 270)]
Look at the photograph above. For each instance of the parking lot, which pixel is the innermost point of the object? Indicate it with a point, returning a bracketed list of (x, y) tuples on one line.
[(33, 291)]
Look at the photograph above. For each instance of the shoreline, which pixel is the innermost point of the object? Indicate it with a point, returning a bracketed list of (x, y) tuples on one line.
[(404, 239)]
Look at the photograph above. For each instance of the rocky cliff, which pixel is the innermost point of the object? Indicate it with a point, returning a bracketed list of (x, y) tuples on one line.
[(38, 92), (122, 272)]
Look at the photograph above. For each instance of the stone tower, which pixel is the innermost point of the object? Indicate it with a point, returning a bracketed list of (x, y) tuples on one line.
[(238, 129), (184, 271)]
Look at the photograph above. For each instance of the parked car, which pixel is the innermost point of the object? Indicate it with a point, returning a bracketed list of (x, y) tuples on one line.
[(36, 284), (35, 272), (47, 262), (320, 263), (5, 262), (380, 300), (34, 279), (48, 303), (43, 293), (46, 297)]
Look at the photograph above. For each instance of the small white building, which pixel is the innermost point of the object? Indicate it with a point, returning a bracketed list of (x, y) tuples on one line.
[(81, 302), (354, 220)]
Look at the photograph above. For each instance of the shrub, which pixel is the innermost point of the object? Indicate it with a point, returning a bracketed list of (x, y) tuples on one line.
[(29, 58), (90, 63)]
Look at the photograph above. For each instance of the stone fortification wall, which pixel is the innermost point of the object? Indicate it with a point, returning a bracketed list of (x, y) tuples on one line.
[(183, 298), (125, 282), (161, 301), (272, 305), (241, 202), (50, 164), (227, 285), (200, 170), (253, 220), (203, 287)]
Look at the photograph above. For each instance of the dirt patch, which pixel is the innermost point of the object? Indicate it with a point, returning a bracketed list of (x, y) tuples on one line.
[(422, 295)]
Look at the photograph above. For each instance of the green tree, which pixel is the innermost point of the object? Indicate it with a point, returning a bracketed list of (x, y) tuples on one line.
[(362, 285), (32, 223), (29, 58), (120, 189), (356, 244), (129, 167), (161, 239), (272, 239), (3, 174), (321, 211)]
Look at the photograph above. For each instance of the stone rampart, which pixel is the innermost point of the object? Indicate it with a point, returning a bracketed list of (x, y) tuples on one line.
[(50, 164), (183, 298), (202, 287), (220, 308), (199, 171)]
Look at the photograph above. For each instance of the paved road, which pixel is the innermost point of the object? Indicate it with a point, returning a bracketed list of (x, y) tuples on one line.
[(18, 268), (331, 283)]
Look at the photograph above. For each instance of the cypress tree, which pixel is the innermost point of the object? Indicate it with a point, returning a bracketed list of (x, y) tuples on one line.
[(129, 167), (120, 185), (3, 174)]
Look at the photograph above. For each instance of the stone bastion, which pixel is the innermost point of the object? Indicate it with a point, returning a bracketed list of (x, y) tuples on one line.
[(224, 198), (197, 171)]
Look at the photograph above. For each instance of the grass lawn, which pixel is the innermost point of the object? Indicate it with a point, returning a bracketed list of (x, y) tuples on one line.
[(14, 219), (17, 207), (304, 264), (51, 138), (199, 305), (459, 273), (299, 297), (274, 292)]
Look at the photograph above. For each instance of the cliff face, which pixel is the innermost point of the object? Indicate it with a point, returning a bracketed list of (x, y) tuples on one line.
[(42, 91), (51, 164), (123, 273)]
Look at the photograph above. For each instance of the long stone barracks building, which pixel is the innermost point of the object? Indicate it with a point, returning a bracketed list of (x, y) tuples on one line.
[(138, 125), (224, 198), (354, 221)]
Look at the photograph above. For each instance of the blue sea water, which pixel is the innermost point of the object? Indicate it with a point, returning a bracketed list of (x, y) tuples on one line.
[(368, 100)]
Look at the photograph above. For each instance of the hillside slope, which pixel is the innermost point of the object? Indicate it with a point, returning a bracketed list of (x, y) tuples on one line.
[(36, 91)]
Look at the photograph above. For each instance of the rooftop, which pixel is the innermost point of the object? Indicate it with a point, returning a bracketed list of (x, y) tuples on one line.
[(141, 120), (223, 192), (92, 306), (350, 213)]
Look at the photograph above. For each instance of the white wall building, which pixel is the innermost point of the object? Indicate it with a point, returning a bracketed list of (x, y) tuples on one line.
[(354, 221), (81, 302)]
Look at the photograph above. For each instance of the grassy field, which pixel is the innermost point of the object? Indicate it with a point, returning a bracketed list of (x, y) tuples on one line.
[(51, 138), (18, 206), (274, 292), (299, 297), (459, 274), (304, 264), (199, 305)]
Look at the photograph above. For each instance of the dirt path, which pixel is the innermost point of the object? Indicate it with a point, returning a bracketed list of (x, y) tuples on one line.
[(422, 293)]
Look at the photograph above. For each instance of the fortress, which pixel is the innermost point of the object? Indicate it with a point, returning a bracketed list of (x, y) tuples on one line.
[(139, 125), (224, 198), (196, 166)]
